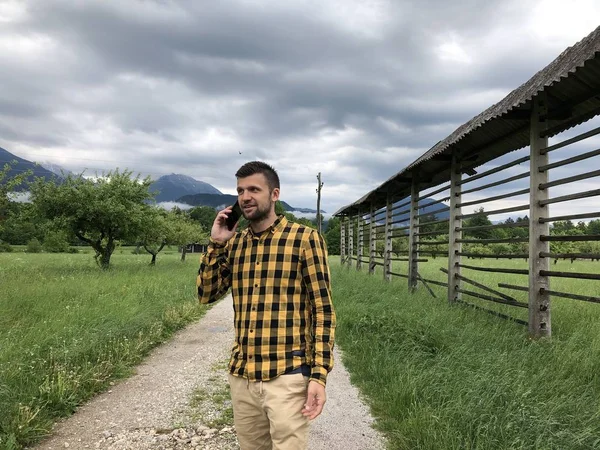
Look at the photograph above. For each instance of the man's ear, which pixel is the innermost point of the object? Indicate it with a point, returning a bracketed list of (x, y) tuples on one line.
[(275, 195)]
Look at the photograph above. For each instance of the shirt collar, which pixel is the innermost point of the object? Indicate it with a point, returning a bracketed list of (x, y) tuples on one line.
[(278, 225)]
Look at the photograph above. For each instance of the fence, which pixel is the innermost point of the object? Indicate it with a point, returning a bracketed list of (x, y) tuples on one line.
[(499, 162)]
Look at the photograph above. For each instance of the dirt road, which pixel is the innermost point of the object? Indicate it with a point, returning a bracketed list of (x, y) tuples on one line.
[(177, 399)]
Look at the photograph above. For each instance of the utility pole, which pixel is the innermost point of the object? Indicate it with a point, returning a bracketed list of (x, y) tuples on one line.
[(319, 218)]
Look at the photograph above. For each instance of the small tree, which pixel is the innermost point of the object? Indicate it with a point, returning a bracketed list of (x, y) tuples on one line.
[(155, 233), (7, 185), (34, 246), (204, 215), (593, 227), (162, 228), (99, 212), (185, 231), (21, 224), (333, 236), (480, 219), (55, 241)]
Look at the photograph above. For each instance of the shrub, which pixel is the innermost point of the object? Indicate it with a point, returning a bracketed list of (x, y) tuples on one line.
[(5, 247), (72, 250), (56, 242), (34, 246)]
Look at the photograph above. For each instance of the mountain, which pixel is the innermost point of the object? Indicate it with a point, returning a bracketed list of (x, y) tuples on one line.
[(56, 169), (23, 165), (174, 186), (426, 206), (169, 188), (308, 211), (223, 200)]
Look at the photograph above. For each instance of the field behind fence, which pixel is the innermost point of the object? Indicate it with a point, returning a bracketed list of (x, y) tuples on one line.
[(512, 192), (441, 376), (568, 314)]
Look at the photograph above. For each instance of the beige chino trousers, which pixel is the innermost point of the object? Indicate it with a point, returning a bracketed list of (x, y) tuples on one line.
[(268, 414)]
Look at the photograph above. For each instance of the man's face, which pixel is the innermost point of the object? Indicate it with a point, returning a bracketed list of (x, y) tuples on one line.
[(254, 197)]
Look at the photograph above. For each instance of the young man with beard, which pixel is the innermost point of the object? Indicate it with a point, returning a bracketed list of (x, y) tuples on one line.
[(283, 315)]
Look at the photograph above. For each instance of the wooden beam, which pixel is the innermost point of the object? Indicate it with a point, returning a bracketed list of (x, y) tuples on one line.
[(455, 233), (570, 123), (517, 114), (360, 246), (387, 251), (350, 240), (343, 221), (372, 240), (539, 300), (413, 238)]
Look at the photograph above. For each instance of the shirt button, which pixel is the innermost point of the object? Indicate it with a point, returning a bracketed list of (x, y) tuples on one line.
[(251, 331), (256, 285), (254, 308), (250, 357)]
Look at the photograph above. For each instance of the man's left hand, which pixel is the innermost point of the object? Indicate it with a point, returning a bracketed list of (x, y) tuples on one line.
[(315, 400)]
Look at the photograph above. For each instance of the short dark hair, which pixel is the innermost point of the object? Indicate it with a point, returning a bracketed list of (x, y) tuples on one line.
[(254, 167)]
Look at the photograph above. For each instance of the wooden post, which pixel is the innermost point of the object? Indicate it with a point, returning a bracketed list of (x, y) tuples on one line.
[(342, 239), (372, 241), (387, 250), (454, 223), (350, 241), (539, 299), (413, 239), (319, 217), (361, 243)]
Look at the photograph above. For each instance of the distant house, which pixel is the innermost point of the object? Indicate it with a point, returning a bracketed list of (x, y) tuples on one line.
[(196, 248)]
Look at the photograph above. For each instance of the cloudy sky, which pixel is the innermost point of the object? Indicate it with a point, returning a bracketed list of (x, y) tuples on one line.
[(355, 90)]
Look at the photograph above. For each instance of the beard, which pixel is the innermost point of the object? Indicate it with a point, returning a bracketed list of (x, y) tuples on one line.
[(260, 212)]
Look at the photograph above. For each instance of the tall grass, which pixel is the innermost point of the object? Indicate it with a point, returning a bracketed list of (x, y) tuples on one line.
[(67, 329), (437, 377), (441, 377)]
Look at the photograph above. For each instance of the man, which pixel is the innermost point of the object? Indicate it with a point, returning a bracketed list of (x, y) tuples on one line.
[(283, 316)]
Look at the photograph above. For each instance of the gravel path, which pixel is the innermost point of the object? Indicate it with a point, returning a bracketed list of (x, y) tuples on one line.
[(178, 399)]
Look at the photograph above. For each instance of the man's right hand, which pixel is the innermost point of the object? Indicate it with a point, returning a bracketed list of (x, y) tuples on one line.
[(219, 231)]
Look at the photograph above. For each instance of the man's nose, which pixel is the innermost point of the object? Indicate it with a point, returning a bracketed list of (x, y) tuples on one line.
[(245, 196)]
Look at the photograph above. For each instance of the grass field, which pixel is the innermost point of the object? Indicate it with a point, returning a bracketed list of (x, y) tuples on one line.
[(67, 329), (576, 312), (436, 377), (441, 377)]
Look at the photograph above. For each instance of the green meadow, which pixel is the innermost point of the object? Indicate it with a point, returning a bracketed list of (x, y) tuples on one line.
[(68, 329), (451, 377), (435, 376)]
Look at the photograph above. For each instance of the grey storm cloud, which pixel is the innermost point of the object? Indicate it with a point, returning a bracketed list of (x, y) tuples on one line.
[(354, 89)]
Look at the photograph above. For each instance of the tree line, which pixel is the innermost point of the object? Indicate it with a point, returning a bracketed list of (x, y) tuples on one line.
[(103, 213), (483, 229)]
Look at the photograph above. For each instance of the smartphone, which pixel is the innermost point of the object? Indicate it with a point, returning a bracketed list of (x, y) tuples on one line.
[(234, 216)]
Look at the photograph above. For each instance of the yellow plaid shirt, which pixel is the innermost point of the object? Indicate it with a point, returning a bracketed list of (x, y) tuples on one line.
[(283, 314)]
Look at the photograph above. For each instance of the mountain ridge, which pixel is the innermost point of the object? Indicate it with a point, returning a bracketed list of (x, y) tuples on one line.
[(221, 201), (22, 165), (169, 188)]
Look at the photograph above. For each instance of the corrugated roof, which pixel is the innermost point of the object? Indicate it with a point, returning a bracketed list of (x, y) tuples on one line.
[(572, 85)]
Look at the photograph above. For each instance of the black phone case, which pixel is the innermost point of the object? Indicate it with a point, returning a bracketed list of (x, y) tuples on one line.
[(234, 216)]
